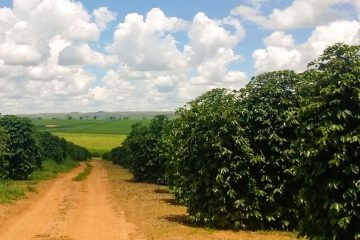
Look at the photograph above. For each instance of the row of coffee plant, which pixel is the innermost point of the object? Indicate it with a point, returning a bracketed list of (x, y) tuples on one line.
[(281, 153), (23, 149)]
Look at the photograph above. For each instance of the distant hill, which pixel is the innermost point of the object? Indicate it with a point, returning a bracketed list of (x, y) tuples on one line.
[(101, 115)]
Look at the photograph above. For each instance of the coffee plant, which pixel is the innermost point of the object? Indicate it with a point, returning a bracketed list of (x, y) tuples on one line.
[(142, 151), (329, 145), (211, 164), (269, 126), (24, 147), (4, 152)]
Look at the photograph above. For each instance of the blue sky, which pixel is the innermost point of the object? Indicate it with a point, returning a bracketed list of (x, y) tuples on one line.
[(70, 55)]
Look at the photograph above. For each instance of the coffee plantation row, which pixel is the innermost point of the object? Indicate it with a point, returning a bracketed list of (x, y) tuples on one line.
[(282, 153), (23, 149)]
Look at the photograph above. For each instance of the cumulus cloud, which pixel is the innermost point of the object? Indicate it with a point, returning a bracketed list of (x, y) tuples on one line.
[(147, 43), (164, 75), (103, 16), (282, 53), (35, 64), (47, 57), (207, 36), (82, 54), (301, 13)]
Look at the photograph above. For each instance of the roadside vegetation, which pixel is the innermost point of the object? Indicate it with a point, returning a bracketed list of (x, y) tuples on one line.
[(280, 154), (10, 191), (27, 156), (84, 174)]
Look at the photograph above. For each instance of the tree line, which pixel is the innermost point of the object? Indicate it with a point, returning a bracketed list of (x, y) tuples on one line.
[(23, 148), (281, 153)]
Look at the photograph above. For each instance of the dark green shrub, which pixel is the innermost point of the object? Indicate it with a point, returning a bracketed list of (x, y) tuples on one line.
[(106, 156), (53, 147), (148, 163), (76, 152), (211, 164), (266, 117), (4, 152), (24, 148), (329, 145), (59, 149), (117, 157), (142, 151)]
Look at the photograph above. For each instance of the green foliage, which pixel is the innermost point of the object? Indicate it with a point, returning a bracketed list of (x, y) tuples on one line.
[(142, 151), (106, 156), (211, 162), (284, 149), (329, 145), (53, 146), (24, 148), (4, 152), (149, 165), (266, 116), (76, 152), (59, 149), (50, 168)]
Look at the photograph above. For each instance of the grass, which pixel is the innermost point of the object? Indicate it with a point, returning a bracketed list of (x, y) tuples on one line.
[(118, 127), (11, 190), (84, 174), (98, 143), (50, 169)]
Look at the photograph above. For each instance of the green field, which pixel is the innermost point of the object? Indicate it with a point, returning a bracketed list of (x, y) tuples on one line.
[(119, 127), (94, 142), (96, 135)]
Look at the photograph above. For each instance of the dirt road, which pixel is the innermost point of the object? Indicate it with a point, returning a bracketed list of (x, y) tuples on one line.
[(70, 210)]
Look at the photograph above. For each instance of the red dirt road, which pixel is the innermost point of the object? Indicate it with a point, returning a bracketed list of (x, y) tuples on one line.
[(70, 210)]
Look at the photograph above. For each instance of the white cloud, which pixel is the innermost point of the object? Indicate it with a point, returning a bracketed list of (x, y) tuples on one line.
[(214, 71), (103, 16), (280, 39), (82, 54), (47, 45), (34, 34), (160, 72), (281, 53), (21, 54), (207, 36), (147, 44), (301, 13)]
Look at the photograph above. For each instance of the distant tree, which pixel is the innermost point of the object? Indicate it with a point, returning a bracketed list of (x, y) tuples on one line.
[(81, 118), (95, 117), (69, 117)]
